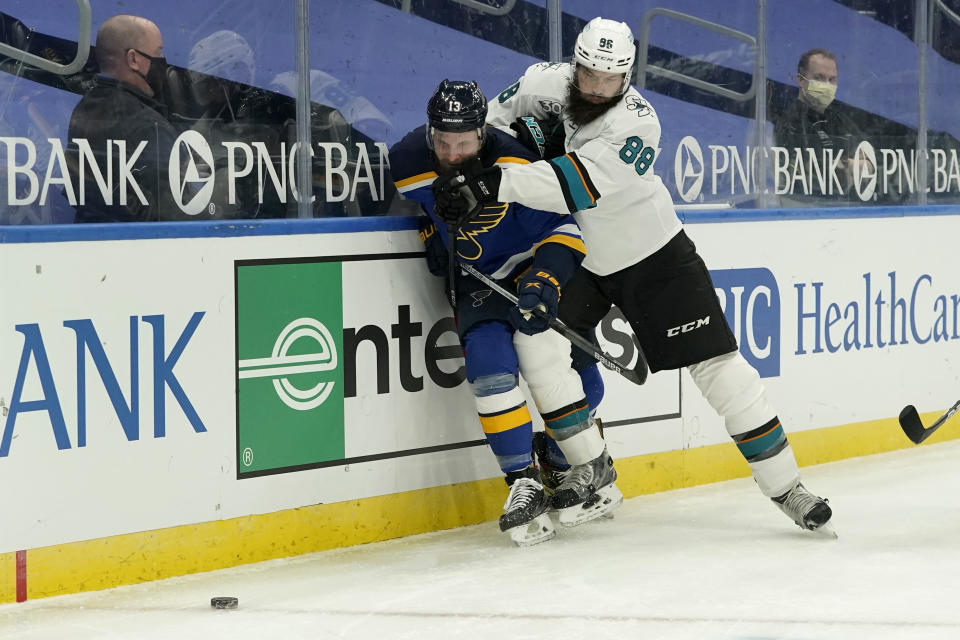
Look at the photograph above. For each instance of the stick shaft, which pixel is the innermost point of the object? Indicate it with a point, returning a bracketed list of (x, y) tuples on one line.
[(560, 327)]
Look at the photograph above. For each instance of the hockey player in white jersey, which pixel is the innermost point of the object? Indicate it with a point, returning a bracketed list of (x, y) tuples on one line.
[(638, 255)]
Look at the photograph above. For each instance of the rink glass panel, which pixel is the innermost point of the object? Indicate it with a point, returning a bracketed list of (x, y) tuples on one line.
[(720, 76)]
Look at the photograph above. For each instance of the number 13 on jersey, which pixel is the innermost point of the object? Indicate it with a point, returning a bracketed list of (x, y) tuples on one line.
[(633, 152)]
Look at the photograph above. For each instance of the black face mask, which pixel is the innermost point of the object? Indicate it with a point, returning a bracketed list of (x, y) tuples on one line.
[(156, 77)]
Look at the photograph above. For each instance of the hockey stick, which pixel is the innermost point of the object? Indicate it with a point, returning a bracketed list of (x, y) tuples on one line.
[(636, 375), (452, 265), (912, 425)]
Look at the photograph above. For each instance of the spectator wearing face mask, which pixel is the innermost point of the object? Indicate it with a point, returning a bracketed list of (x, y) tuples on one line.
[(124, 110), (823, 131)]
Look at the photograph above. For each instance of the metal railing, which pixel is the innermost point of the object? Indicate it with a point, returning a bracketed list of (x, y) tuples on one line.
[(482, 7), (83, 48), (644, 68), (407, 6), (947, 11)]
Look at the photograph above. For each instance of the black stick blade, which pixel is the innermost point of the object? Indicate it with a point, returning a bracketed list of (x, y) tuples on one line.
[(912, 425)]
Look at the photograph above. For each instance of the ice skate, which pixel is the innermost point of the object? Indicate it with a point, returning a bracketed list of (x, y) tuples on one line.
[(525, 515), (808, 511), (589, 491), (551, 476)]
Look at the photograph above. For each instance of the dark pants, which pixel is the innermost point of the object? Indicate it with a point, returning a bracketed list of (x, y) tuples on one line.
[(669, 300)]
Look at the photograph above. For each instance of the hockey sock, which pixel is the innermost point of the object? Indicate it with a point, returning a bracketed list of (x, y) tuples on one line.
[(770, 457), (592, 385), (505, 420), (733, 389), (574, 433), (555, 454)]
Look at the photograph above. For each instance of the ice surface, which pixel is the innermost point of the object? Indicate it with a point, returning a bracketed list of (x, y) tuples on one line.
[(713, 562)]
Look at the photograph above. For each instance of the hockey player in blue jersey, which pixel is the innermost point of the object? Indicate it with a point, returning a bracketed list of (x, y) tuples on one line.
[(533, 252)]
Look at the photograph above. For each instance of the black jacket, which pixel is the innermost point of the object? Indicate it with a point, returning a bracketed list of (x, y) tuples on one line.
[(120, 113), (801, 127)]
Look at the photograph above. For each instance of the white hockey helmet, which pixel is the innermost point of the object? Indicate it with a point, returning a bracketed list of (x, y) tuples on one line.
[(226, 54), (607, 45)]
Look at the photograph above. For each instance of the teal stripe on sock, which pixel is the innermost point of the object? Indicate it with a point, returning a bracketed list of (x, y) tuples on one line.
[(757, 446), (577, 418)]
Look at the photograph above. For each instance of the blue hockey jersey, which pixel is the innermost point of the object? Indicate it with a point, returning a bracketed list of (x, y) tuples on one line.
[(502, 240)]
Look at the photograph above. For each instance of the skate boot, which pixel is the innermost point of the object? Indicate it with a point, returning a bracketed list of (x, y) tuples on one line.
[(588, 492), (551, 476), (807, 510), (525, 516)]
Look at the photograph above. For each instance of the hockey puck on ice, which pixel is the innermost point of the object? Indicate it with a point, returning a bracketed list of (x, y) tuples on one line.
[(224, 602)]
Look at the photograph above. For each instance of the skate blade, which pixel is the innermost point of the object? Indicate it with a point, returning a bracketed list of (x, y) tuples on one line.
[(538, 530), (600, 504), (826, 530)]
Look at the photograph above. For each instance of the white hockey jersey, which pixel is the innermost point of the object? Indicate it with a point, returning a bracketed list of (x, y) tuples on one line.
[(606, 179)]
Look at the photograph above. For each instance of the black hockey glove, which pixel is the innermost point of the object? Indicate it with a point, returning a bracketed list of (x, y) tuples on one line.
[(529, 134), (537, 289), (436, 252), (483, 182), (448, 203), (473, 184), (543, 137)]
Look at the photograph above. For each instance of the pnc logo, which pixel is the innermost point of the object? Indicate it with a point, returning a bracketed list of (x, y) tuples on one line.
[(282, 365), (191, 172), (688, 169), (864, 176)]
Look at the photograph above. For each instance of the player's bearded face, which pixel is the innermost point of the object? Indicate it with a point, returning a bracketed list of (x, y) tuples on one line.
[(455, 148), (592, 94)]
